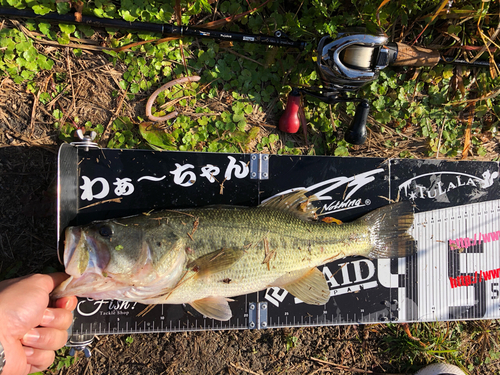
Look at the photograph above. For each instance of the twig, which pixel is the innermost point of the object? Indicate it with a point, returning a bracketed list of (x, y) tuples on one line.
[(440, 135), (243, 369), (491, 95), (68, 61), (53, 101), (117, 200), (352, 369), (33, 111), (487, 45), (468, 130), (243, 56), (107, 130)]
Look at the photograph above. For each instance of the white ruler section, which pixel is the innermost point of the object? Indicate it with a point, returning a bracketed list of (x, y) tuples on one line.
[(458, 263)]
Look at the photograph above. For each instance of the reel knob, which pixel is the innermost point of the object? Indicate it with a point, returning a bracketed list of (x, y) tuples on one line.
[(290, 121), (356, 132)]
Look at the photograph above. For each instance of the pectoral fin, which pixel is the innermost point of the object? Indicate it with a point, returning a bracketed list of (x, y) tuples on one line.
[(216, 261), (214, 307), (310, 288)]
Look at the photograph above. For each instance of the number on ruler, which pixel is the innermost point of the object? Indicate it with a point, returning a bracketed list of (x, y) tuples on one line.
[(494, 291)]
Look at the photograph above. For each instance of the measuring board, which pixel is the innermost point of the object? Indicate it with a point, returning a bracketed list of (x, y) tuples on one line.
[(454, 275)]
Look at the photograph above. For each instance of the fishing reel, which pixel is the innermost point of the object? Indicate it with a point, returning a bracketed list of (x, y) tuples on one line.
[(346, 64)]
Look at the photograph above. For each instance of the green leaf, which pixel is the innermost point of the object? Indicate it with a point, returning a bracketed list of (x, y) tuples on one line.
[(123, 85), (86, 29), (63, 39), (454, 29), (30, 54), (127, 16), (67, 29), (16, 4), (58, 114), (238, 117), (341, 151), (155, 136), (63, 7), (23, 46), (41, 9), (44, 63), (45, 29)]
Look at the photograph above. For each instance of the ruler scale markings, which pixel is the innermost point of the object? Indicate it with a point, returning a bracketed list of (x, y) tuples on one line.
[(441, 261)]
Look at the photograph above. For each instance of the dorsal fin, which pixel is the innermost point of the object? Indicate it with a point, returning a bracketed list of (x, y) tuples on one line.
[(295, 202)]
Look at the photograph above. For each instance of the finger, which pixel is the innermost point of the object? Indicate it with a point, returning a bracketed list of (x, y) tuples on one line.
[(47, 282), (45, 338), (39, 359), (67, 303), (54, 279), (56, 318)]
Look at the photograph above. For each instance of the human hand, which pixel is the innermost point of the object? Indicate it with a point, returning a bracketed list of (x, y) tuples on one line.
[(30, 331)]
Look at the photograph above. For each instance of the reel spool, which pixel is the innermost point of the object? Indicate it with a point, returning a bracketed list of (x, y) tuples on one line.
[(352, 60)]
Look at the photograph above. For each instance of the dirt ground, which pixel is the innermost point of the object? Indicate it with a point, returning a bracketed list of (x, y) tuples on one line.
[(28, 152)]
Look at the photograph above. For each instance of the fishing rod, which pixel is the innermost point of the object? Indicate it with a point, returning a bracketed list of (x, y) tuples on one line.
[(345, 63)]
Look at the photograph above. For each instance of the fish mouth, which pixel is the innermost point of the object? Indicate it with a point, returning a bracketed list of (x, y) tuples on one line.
[(72, 238), (85, 260)]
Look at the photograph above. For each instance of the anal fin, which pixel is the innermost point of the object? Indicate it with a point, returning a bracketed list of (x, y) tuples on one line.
[(214, 307), (310, 288)]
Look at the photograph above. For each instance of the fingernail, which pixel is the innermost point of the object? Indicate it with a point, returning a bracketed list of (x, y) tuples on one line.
[(48, 316), (69, 305), (31, 337), (28, 351)]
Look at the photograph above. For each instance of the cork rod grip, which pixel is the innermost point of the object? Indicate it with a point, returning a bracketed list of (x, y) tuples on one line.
[(415, 56)]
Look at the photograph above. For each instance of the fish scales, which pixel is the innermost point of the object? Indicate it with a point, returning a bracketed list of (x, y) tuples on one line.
[(202, 256), (295, 245)]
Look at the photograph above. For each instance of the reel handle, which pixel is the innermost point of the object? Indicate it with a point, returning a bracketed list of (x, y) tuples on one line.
[(356, 132), (406, 55), (289, 121)]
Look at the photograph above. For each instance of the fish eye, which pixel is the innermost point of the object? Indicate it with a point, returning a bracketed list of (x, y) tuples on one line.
[(105, 231)]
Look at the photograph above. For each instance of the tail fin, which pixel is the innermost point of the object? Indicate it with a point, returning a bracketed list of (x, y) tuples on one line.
[(388, 226)]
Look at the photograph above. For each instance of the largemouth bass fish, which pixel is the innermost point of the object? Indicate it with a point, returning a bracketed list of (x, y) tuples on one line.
[(203, 256)]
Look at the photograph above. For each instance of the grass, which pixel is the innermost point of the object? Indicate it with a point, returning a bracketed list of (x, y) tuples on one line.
[(253, 80), (453, 112), (465, 344)]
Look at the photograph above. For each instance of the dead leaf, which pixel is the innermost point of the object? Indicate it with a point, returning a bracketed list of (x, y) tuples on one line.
[(467, 137), (493, 67), (330, 220), (382, 4)]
